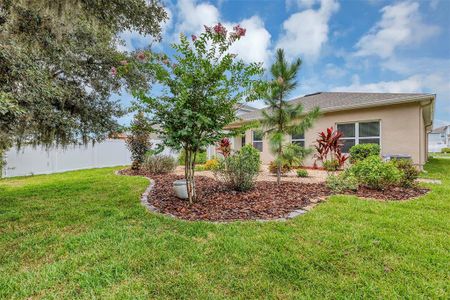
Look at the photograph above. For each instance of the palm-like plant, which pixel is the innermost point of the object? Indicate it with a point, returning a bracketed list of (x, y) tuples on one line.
[(282, 118)]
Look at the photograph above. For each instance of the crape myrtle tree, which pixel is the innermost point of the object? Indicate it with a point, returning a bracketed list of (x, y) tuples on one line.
[(56, 59), (281, 118), (201, 83)]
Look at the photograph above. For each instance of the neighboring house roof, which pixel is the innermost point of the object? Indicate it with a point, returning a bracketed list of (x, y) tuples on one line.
[(244, 107), (336, 101), (440, 130)]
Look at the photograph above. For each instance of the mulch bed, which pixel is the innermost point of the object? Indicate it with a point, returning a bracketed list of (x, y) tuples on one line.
[(394, 193), (266, 201)]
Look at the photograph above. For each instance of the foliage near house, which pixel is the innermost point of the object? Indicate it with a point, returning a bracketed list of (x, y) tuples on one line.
[(375, 174), (202, 85), (329, 150), (362, 151), (55, 61), (409, 173), (281, 118)]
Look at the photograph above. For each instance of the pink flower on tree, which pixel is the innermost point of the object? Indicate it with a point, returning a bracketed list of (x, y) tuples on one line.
[(239, 31), (113, 71), (141, 56), (207, 28), (194, 37), (220, 29)]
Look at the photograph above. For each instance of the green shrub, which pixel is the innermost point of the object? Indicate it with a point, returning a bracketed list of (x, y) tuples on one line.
[(331, 165), (138, 141), (409, 173), (240, 170), (159, 164), (445, 150), (273, 169), (200, 158), (362, 151), (200, 168), (302, 173), (341, 183), (375, 174)]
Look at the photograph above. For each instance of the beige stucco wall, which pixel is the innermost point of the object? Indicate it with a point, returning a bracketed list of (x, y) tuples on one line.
[(402, 130)]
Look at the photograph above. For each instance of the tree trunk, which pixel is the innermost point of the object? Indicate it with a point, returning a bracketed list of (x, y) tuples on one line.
[(189, 169), (279, 165)]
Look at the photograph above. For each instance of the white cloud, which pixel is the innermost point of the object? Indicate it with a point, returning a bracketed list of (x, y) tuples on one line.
[(133, 40), (400, 25), (412, 84), (301, 3), (192, 16), (257, 39), (253, 47), (334, 72), (305, 32)]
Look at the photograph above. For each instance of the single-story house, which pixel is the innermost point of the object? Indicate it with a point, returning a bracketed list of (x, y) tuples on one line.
[(398, 122), (439, 138)]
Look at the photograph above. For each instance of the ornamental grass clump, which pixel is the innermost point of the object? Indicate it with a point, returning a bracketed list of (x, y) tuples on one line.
[(240, 170), (159, 164)]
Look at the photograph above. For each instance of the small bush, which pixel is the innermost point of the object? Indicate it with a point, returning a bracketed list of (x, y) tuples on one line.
[(273, 169), (375, 174), (302, 173), (211, 164), (331, 165), (200, 168), (200, 158), (240, 170), (159, 164), (445, 150), (409, 173), (362, 151), (341, 183)]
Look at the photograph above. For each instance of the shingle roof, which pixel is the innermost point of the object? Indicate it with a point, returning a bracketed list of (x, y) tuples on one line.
[(335, 101), (442, 129)]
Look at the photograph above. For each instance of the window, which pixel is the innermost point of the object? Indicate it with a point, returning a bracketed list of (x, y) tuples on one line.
[(243, 141), (298, 139), (359, 133), (258, 140)]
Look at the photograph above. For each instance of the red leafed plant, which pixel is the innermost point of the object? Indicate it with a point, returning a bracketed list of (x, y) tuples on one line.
[(329, 146), (224, 147)]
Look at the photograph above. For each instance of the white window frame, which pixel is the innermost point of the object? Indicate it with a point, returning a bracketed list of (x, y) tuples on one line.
[(299, 140), (257, 141), (357, 138)]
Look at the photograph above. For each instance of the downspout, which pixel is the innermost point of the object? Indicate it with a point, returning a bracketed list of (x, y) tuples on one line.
[(426, 126)]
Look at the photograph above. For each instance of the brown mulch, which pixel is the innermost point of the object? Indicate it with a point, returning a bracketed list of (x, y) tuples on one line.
[(266, 201), (394, 193), (217, 202)]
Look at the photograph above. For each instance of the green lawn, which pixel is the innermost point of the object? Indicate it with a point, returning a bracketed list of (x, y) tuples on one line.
[(85, 234)]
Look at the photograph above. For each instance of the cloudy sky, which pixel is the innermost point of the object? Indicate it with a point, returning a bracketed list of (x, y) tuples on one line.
[(345, 45)]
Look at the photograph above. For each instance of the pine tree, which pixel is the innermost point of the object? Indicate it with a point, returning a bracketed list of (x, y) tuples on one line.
[(281, 118)]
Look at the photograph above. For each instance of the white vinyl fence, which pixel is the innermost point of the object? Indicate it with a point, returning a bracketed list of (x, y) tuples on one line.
[(38, 160)]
